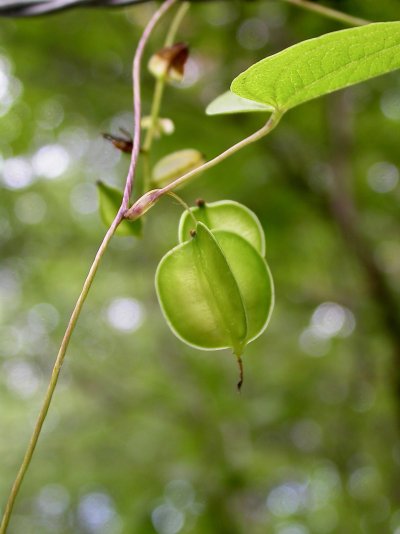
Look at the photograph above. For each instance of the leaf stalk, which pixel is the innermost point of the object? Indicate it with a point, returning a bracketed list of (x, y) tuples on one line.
[(329, 12)]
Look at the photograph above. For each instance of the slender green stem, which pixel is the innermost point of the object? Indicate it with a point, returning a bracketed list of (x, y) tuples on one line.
[(183, 204), (55, 374), (144, 203), (155, 111), (329, 12), (173, 29)]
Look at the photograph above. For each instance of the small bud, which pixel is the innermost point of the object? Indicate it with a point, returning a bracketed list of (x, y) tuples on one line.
[(163, 126), (169, 62), (200, 203), (142, 205)]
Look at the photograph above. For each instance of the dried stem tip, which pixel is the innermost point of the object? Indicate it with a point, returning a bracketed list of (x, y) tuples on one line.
[(240, 363)]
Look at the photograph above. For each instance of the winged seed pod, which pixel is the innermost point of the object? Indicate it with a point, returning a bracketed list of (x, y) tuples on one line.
[(215, 291), (225, 215), (175, 165)]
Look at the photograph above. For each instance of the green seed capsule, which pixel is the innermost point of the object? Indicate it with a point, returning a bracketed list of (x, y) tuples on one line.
[(215, 290), (175, 165), (225, 215)]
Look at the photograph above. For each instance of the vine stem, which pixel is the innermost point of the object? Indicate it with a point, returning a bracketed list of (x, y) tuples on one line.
[(329, 12), (92, 271), (137, 103), (144, 203), (55, 374), (158, 96)]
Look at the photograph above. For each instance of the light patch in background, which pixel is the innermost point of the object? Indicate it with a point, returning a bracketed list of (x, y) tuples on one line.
[(43, 317), (11, 341), (167, 519), (53, 500), (97, 514), (75, 140), (84, 199), (331, 319), (21, 378), (191, 75), (51, 161), (390, 104), (17, 173), (10, 87), (10, 288), (292, 528), (51, 115), (180, 494), (324, 486), (30, 208), (102, 156), (306, 435), (286, 500), (253, 34), (3, 85), (125, 314), (122, 124), (312, 343), (383, 177)]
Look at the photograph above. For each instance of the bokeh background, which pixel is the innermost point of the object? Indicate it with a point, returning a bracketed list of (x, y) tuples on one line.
[(146, 435)]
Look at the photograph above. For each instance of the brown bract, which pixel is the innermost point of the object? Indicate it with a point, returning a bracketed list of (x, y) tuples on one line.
[(170, 62)]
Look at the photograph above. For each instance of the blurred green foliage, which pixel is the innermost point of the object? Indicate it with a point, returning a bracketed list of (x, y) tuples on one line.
[(146, 434)]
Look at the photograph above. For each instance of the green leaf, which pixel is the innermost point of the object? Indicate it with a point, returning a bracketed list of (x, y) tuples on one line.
[(175, 165), (110, 200), (230, 103), (320, 66), (215, 291), (225, 215)]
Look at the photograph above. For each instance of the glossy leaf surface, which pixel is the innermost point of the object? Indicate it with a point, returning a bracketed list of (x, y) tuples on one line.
[(110, 200), (322, 65), (228, 103), (225, 215)]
